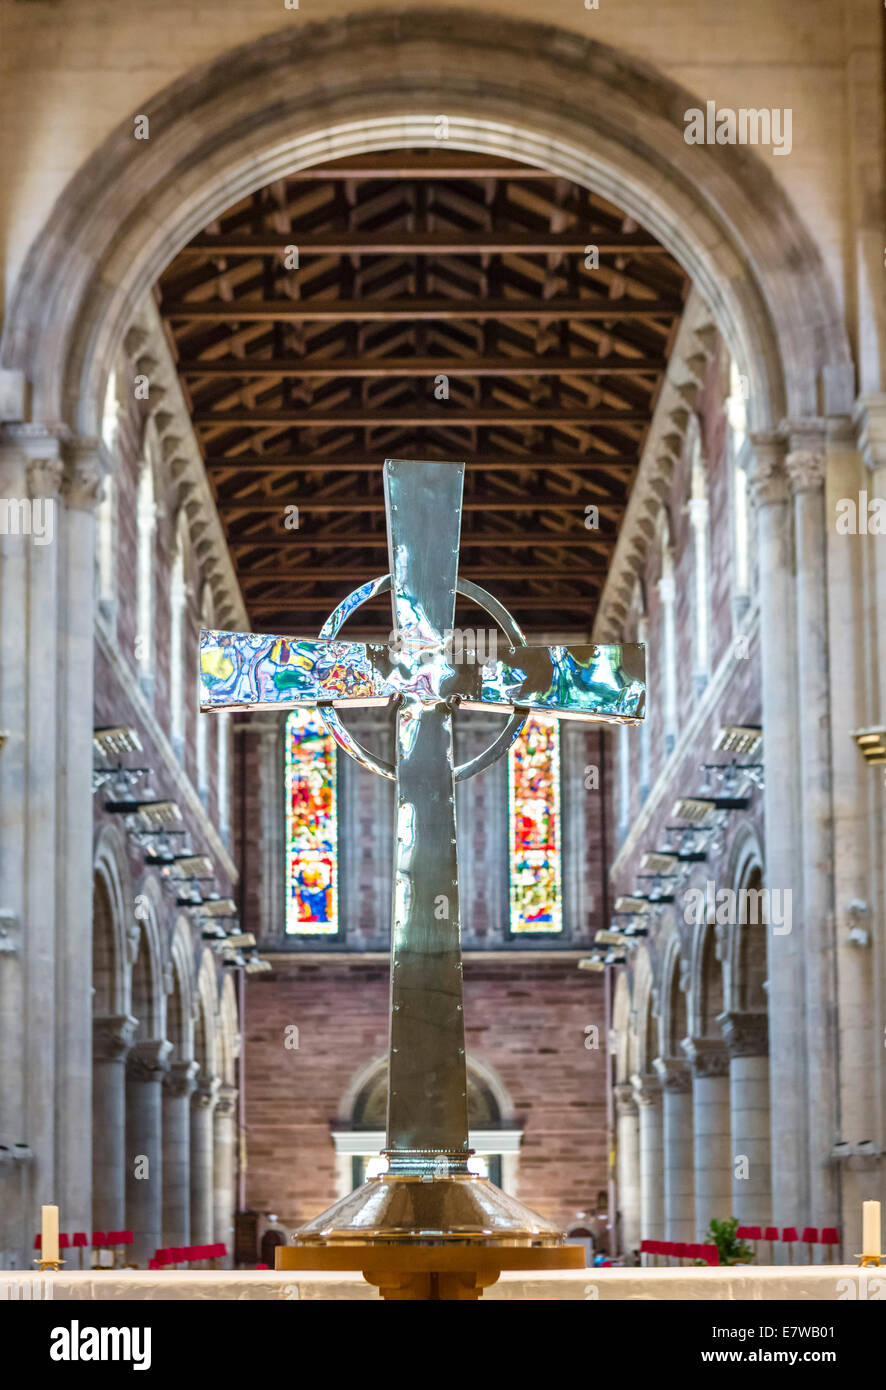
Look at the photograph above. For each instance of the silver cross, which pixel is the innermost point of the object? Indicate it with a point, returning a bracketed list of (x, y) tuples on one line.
[(419, 672)]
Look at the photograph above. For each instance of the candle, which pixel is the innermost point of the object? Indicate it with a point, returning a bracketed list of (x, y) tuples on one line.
[(870, 1231), (49, 1244)]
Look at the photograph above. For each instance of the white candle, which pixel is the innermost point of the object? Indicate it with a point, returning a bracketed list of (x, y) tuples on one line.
[(49, 1242), (870, 1230)]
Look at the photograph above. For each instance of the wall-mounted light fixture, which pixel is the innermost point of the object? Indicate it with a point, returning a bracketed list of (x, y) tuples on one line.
[(871, 744), (744, 739)]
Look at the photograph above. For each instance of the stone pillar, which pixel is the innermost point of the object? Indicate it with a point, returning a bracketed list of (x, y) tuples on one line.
[(647, 1092), (865, 1177), (224, 1168), (677, 1148), (627, 1153), (202, 1105), (31, 471), (805, 465), (73, 918), (178, 1084), (111, 1040), (783, 817), (747, 1038), (145, 1068), (712, 1159)]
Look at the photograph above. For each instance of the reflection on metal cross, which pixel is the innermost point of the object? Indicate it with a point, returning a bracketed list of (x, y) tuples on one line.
[(427, 1100)]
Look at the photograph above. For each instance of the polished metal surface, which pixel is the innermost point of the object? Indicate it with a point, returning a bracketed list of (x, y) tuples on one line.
[(454, 1209), (600, 684), (427, 1190)]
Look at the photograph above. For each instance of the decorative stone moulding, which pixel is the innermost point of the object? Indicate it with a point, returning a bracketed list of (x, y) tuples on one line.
[(696, 340), (146, 344)]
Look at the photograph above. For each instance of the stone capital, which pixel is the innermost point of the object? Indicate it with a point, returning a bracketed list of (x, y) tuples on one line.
[(226, 1104), (181, 1079), (148, 1061), (869, 416), (673, 1072), (745, 1034), (806, 470), (706, 1056), (44, 477), (83, 477), (768, 477), (625, 1101), (205, 1092), (112, 1037), (647, 1088)]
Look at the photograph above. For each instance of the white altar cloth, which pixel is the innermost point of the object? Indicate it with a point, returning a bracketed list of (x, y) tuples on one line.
[(799, 1283)]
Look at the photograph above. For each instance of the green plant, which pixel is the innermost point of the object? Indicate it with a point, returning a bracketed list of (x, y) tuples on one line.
[(730, 1250)]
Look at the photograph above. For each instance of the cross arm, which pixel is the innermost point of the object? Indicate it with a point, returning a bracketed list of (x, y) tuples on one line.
[(599, 683), (240, 669)]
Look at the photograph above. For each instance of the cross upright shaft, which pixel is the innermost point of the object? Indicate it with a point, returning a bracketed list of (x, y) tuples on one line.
[(427, 1126)]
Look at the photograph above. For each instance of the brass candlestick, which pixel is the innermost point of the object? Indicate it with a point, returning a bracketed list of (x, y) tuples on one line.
[(869, 1260), (49, 1264)]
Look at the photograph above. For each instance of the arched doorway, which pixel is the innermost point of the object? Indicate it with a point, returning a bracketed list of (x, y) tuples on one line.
[(493, 1135)]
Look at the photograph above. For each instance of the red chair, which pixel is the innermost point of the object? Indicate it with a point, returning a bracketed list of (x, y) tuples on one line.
[(38, 1241), (810, 1238), (79, 1241), (789, 1236), (711, 1254), (830, 1237), (680, 1249), (63, 1241), (749, 1233)]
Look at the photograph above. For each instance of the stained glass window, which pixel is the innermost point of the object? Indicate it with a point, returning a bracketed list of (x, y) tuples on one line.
[(534, 803), (311, 827)]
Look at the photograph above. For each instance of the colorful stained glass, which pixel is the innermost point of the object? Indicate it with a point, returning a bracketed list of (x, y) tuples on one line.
[(311, 827), (534, 802)]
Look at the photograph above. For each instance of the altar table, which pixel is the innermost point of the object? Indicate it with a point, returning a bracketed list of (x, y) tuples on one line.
[(799, 1283)]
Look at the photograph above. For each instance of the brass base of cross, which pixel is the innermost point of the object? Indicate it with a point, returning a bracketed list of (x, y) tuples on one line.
[(429, 1237), (408, 1271)]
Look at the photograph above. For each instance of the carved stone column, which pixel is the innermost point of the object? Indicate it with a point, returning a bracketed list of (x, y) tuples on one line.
[(81, 489), (111, 1040), (224, 1133), (679, 1178), (783, 818), (627, 1150), (202, 1105), (647, 1092), (178, 1085), (709, 1061), (806, 470), (146, 1066), (31, 474), (860, 806), (747, 1037)]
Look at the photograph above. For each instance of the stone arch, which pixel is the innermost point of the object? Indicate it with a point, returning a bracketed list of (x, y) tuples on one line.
[(489, 1101), (206, 1046), (621, 1027), (180, 1018), (228, 1031), (644, 1031), (745, 958), (673, 1024), (509, 87), (706, 990), (147, 995), (113, 924)]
